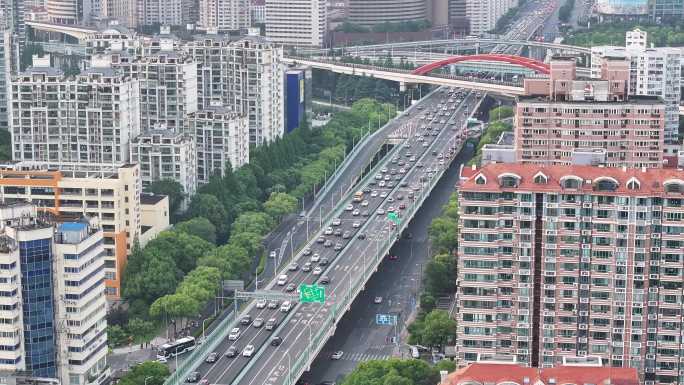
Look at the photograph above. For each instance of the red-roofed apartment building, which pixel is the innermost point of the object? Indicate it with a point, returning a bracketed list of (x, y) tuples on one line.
[(511, 374), (572, 261)]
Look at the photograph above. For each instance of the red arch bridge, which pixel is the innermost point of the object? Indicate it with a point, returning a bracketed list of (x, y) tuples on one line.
[(532, 64)]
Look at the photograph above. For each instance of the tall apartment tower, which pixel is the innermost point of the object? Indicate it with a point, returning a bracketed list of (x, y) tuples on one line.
[(297, 22), (89, 118), (53, 275), (246, 76), (483, 15), (5, 73), (167, 79), (371, 12), (561, 118), (65, 11), (221, 137), (565, 261), (165, 12), (652, 72), (223, 15)]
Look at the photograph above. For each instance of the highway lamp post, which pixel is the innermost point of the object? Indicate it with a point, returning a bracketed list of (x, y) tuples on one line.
[(292, 245), (204, 335)]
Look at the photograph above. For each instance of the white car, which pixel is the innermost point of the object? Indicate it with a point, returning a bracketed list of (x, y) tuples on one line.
[(260, 303), (337, 355), (381, 184), (234, 334), (328, 231), (315, 258), (383, 194), (380, 212), (249, 350), (356, 212), (374, 194), (349, 208), (356, 225), (287, 305), (336, 222), (282, 280), (317, 271), (364, 203)]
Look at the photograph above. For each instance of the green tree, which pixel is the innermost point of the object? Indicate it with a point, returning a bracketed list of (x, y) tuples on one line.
[(208, 206), (280, 204), (252, 222), (447, 365), (170, 188), (392, 372), (440, 275), (249, 241), (141, 330), (501, 112), (199, 227), (148, 372), (231, 260), (443, 232), (183, 248), (116, 336), (435, 328), (5, 145), (157, 276)]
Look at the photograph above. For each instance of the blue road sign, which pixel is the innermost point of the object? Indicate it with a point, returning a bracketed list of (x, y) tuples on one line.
[(386, 319)]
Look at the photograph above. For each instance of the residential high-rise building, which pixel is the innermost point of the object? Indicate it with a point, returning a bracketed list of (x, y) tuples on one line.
[(257, 11), (297, 22), (221, 137), (165, 12), (246, 76), (223, 15), (89, 118), (562, 117), (167, 79), (652, 72), (65, 11), (564, 261), (5, 73), (371, 12), (666, 10), (53, 280), (164, 154), (110, 193), (483, 15)]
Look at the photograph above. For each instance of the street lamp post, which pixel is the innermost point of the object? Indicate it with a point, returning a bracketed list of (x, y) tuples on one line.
[(204, 336)]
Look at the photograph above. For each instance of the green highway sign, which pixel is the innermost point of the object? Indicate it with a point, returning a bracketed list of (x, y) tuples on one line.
[(311, 293), (394, 218)]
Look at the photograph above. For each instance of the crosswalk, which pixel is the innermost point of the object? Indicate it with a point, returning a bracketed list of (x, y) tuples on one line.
[(360, 357)]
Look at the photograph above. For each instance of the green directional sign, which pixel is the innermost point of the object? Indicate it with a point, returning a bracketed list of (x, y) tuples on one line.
[(311, 293), (394, 218)]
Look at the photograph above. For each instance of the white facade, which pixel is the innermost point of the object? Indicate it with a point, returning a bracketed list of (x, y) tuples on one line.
[(167, 12), (297, 22), (163, 154), (87, 119), (68, 307), (483, 14), (5, 71), (246, 76), (654, 72), (221, 137), (223, 15)]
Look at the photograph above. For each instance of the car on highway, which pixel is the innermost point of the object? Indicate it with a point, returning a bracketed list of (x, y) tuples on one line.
[(374, 194), (212, 357), (272, 254), (282, 280), (392, 257), (383, 194), (328, 243), (378, 176), (390, 209), (232, 352), (377, 300), (337, 233), (317, 271), (290, 288), (249, 350), (380, 212), (356, 225), (382, 184), (293, 267), (346, 235), (306, 267), (286, 306), (337, 355), (364, 203), (338, 247), (260, 303), (349, 207), (307, 251), (356, 212), (336, 222), (322, 239), (271, 324), (276, 341), (246, 320), (315, 258), (273, 304), (361, 236), (328, 231), (323, 262), (258, 322), (193, 377), (390, 199), (402, 206), (234, 334), (324, 280), (365, 213)]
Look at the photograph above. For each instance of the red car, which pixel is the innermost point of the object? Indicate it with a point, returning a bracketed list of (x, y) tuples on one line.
[(402, 206), (392, 257)]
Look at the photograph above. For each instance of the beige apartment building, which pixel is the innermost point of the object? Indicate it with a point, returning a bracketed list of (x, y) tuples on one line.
[(572, 261), (112, 194), (562, 116)]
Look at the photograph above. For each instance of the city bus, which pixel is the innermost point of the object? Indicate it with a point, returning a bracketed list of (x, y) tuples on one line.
[(358, 196), (172, 349)]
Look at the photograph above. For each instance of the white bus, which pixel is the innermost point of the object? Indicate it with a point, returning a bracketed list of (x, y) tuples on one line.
[(175, 348)]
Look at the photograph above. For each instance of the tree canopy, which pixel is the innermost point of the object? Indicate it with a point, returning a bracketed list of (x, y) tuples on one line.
[(198, 227), (392, 372), (170, 188), (435, 328), (154, 372)]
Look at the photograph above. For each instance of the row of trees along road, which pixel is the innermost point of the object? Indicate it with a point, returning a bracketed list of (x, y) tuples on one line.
[(178, 273), (397, 372)]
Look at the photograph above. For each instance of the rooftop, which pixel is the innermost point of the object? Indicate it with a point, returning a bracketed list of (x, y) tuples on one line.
[(151, 199), (485, 373)]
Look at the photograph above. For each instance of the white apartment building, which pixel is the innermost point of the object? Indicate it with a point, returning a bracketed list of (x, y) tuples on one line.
[(297, 22), (483, 14), (167, 79), (88, 119), (165, 12), (5, 71), (654, 72), (221, 137), (257, 11), (54, 311), (163, 154), (246, 76), (223, 15)]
